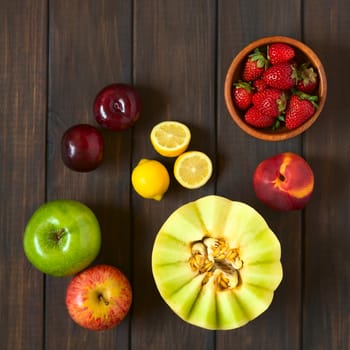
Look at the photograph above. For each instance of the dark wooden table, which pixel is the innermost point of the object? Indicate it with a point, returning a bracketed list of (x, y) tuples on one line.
[(56, 55)]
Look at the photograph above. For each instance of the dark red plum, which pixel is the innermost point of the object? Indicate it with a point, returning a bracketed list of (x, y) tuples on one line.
[(82, 148), (117, 107)]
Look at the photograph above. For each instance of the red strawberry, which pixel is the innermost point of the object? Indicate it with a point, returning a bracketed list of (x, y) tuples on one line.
[(308, 79), (300, 108), (281, 76), (254, 66), (259, 85), (270, 102), (255, 118), (280, 52), (242, 95)]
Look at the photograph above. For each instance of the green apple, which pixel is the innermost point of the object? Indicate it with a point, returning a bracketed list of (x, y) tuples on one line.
[(62, 237)]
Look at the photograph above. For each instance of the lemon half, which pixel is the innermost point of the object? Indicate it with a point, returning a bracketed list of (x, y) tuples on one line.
[(193, 169), (170, 138)]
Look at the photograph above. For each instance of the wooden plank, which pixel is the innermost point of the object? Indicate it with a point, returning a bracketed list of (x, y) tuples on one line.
[(177, 53), (90, 47), (22, 178), (174, 67), (239, 23), (327, 146)]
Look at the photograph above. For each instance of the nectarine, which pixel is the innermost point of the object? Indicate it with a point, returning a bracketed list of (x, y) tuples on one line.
[(284, 182)]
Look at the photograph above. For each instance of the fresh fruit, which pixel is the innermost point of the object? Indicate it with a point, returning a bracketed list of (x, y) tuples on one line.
[(242, 95), (170, 138), (99, 297), (259, 85), (284, 182), (280, 52), (281, 76), (62, 237), (255, 118), (301, 107), (216, 263), (117, 107), (308, 79), (254, 66), (82, 148), (284, 68), (271, 102), (150, 179), (193, 169)]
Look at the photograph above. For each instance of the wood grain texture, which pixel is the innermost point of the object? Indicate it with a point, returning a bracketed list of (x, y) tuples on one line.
[(22, 163), (56, 56), (90, 47), (174, 67), (327, 260), (238, 155)]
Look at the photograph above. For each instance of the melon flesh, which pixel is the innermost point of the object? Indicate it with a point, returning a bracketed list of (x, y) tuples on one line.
[(216, 263)]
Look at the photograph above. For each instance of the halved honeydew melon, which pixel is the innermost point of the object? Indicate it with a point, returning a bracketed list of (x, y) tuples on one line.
[(265, 275), (216, 263), (175, 277)]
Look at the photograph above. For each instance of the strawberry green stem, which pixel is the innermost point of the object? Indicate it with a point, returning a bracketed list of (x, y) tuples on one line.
[(304, 96)]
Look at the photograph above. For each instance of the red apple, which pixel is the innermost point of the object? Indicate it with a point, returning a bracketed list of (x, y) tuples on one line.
[(284, 181), (99, 297)]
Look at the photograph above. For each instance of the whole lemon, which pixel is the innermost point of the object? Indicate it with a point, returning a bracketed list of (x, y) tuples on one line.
[(150, 179)]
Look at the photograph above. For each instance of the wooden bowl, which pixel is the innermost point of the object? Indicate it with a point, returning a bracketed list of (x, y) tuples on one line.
[(304, 54)]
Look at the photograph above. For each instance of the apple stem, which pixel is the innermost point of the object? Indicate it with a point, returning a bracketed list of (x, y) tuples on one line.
[(101, 298), (59, 234)]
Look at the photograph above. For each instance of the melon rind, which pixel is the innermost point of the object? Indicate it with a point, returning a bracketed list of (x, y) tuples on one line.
[(182, 288)]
